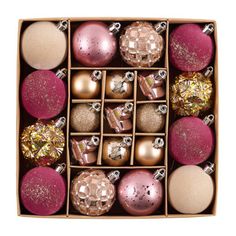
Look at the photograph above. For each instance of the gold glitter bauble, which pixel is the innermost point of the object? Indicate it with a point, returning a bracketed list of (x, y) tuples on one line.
[(43, 143), (191, 93), (141, 45)]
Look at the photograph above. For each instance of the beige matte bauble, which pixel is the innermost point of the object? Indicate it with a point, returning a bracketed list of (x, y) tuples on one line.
[(190, 189), (44, 45)]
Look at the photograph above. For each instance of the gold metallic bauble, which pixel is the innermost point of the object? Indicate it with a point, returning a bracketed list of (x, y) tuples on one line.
[(43, 143), (148, 152), (191, 93)]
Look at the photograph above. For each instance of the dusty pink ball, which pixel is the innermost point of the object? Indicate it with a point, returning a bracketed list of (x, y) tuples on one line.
[(191, 141), (190, 49)]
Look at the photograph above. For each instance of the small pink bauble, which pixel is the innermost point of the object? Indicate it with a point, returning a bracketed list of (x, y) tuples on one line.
[(94, 44), (139, 193), (43, 94), (43, 191), (190, 48), (191, 141)]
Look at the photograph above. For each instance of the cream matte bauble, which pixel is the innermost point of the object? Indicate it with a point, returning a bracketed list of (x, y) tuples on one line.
[(191, 189), (44, 45)]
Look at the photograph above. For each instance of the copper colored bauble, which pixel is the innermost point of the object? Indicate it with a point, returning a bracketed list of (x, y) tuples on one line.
[(119, 85), (190, 189), (191, 93), (86, 84), (116, 152), (149, 151), (140, 192), (150, 118), (85, 117), (94, 43), (141, 44), (44, 44), (93, 193), (43, 143)]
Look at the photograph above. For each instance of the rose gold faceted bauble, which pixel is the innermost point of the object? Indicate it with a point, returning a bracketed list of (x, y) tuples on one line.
[(141, 45), (92, 193), (139, 193), (94, 44)]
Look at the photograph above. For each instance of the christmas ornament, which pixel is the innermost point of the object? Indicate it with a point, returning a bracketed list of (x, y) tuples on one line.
[(151, 85), (140, 192), (118, 85), (93, 193), (191, 47), (94, 43), (84, 151), (86, 85), (150, 118), (191, 93), (141, 44), (85, 117), (191, 140), (43, 93), (43, 190), (149, 151), (43, 142), (191, 189), (44, 44), (119, 117), (116, 151)]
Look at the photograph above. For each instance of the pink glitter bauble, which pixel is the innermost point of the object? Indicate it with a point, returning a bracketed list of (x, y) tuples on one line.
[(43, 191), (93, 44), (191, 141), (190, 49), (43, 94), (139, 193)]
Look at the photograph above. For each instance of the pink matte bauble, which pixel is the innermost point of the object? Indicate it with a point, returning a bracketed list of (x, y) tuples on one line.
[(93, 44), (43, 94), (190, 49), (191, 141), (139, 193), (43, 191)]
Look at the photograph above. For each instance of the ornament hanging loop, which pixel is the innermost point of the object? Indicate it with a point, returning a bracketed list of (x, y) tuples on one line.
[(113, 176), (128, 107), (209, 71), (94, 141), (159, 174), (127, 142), (209, 120), (114, 28), (129, 76), (95, 106), (208, 29), (160, 27), (162, 109), (209, 168), (161, 75), (62, 25), (158, 143), (96, 75), (61, 74), (60, 123), (60, 169)]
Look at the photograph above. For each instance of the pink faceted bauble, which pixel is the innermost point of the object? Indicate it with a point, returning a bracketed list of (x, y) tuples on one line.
[(43, 94), (139, 193), (93, 44), (190, 49), (191, 141), (43, 191)]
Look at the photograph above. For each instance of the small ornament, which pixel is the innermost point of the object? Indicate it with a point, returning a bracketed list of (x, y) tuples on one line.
[(43, 190), (191, 93), (93, 193), (44, 44), (149, 151), (140, 192), (141, 44), (191, 47), (151, 85), (43, 93), (85, 117), (84, 151), (43, 143), (191, 188), (116, 152), (94, 43), (191, 140), (119, 117), (150, 117), (119, 85)]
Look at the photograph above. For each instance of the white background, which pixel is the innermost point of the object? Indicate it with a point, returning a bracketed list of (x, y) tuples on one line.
[(223, 12)]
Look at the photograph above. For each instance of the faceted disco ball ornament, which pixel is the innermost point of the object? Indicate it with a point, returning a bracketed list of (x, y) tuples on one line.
[(93, 193), (43, 143), (141, 44)]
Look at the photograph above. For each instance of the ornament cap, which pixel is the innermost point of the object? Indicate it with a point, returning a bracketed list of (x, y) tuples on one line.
[(128, 107), (61, 74), (209, 71), (161, 75), (209, 168), (162, 109), (208, 29), (96, 75), (114, 28), (60, 123), (62, 25), (158, 143), (95, 106), (60, 169), (127, 142), (209, 120), (160, 27), (94, 141), (113, 176), (159, 174), (129, 76)]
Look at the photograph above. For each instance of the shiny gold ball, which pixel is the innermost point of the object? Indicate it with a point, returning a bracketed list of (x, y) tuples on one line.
[(146, 153)]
